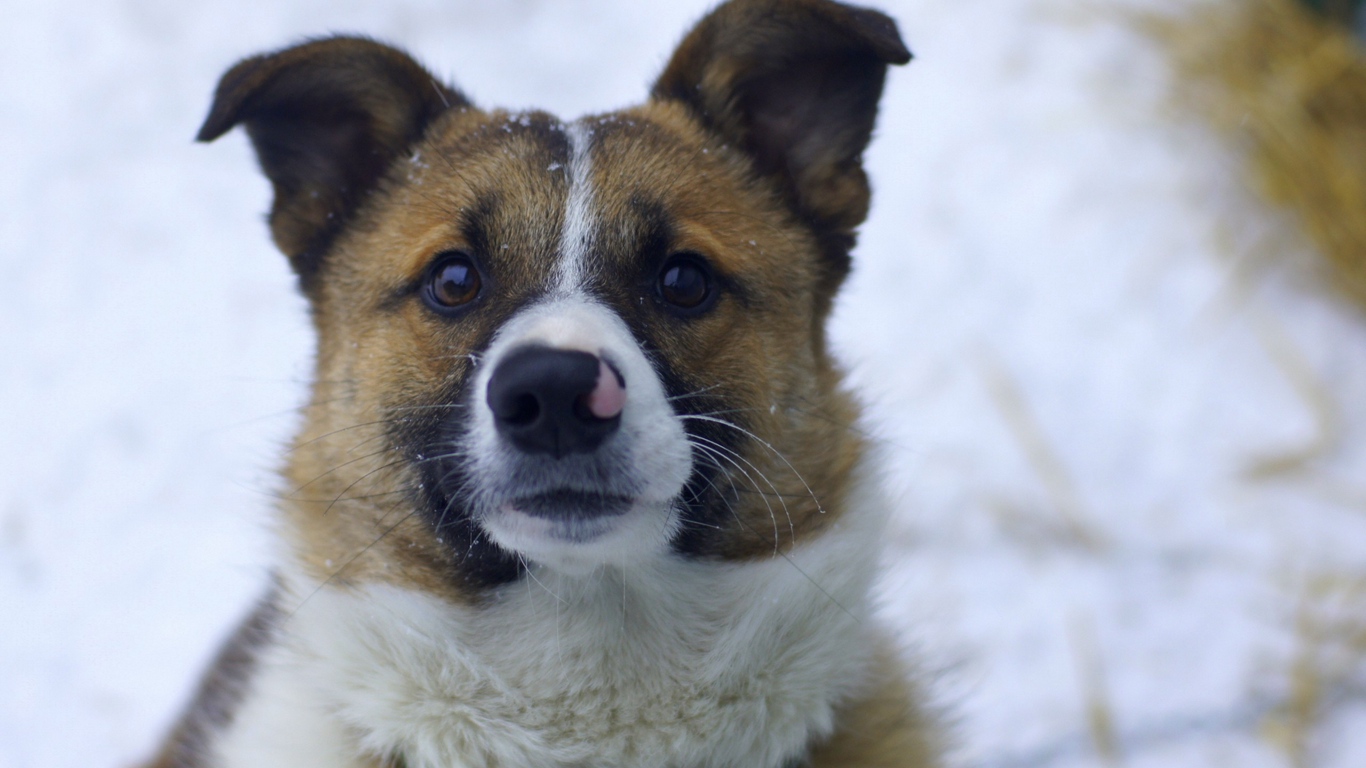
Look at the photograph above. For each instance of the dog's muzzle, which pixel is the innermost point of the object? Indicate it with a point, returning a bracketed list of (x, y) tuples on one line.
[(572, 455)]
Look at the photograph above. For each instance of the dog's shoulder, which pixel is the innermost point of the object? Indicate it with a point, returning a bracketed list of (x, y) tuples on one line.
[(225, 686)]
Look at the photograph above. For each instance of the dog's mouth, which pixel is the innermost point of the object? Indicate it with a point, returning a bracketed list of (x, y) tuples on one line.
[(528, 524), (570, 505)]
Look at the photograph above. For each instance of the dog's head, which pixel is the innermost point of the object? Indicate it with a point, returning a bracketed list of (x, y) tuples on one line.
[(577, 344)]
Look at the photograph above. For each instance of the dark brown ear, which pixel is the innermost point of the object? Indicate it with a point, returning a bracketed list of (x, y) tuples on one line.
[(795, 83), (327, 119)]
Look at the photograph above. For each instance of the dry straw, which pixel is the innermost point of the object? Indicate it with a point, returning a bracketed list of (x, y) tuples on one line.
[(1291, 86), (1328, 670)]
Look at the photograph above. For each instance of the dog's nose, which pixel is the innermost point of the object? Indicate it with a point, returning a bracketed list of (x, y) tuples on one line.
[(555, 401)]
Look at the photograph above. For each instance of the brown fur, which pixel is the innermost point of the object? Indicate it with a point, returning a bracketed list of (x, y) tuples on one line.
[(748, 153), (886, 728)]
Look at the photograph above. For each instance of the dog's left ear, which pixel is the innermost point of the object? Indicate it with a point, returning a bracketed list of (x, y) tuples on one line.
[(327, 118), (795, 84)]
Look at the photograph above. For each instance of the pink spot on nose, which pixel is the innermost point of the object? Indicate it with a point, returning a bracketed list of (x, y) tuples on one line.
[(609, 396)]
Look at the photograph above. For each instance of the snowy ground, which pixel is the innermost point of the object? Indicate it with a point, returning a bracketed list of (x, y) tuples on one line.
[(1090, 385)]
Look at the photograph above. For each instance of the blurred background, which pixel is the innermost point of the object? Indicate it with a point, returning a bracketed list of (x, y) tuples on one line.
[(1108, 315)]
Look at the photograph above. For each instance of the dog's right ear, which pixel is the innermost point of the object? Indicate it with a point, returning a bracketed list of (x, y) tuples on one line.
[(327, 118), (794, 84)]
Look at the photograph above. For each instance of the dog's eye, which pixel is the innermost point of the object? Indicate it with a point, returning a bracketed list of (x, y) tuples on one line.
[(452, 282), (685, 283)]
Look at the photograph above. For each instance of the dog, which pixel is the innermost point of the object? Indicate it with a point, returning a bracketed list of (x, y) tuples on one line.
[(578, 483)]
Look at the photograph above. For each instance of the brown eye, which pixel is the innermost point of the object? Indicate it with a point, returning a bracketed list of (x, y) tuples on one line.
[(452, 282), (685, 284)]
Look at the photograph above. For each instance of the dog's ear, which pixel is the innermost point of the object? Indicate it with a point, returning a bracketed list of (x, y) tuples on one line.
[(795, 84), (327, 118)]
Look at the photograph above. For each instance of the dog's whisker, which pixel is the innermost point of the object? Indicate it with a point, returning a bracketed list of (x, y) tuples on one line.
[(769, 446), (741, 523), (338, 467), (359, 480), (341, 430), (393, 507), (335, 574), (721, 412), (375, 438), (531, 573), (757, 490), (294, 411), (323, 500), (695, 393), (762, 495), (720, 495), (782, 497), (738, 455), (451, 501), (431, 407)]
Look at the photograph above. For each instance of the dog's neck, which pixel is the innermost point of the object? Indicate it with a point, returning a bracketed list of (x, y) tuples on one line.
[(673, 663)]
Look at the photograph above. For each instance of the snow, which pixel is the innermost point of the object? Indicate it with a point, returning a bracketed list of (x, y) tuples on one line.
[(1074, 350)]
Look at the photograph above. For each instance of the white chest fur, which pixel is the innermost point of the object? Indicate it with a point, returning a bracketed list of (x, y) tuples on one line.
[(679, 664)]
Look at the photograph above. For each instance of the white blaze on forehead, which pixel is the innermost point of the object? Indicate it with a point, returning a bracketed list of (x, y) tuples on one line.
[(577, 238), (563, 323)]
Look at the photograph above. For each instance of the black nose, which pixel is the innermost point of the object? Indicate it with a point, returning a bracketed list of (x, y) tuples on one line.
[(538, 396)]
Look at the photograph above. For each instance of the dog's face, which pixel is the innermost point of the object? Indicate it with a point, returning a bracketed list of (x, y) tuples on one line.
[(569, 344)]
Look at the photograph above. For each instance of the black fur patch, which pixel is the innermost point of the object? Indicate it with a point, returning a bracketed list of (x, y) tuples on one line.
[(430, 443)]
